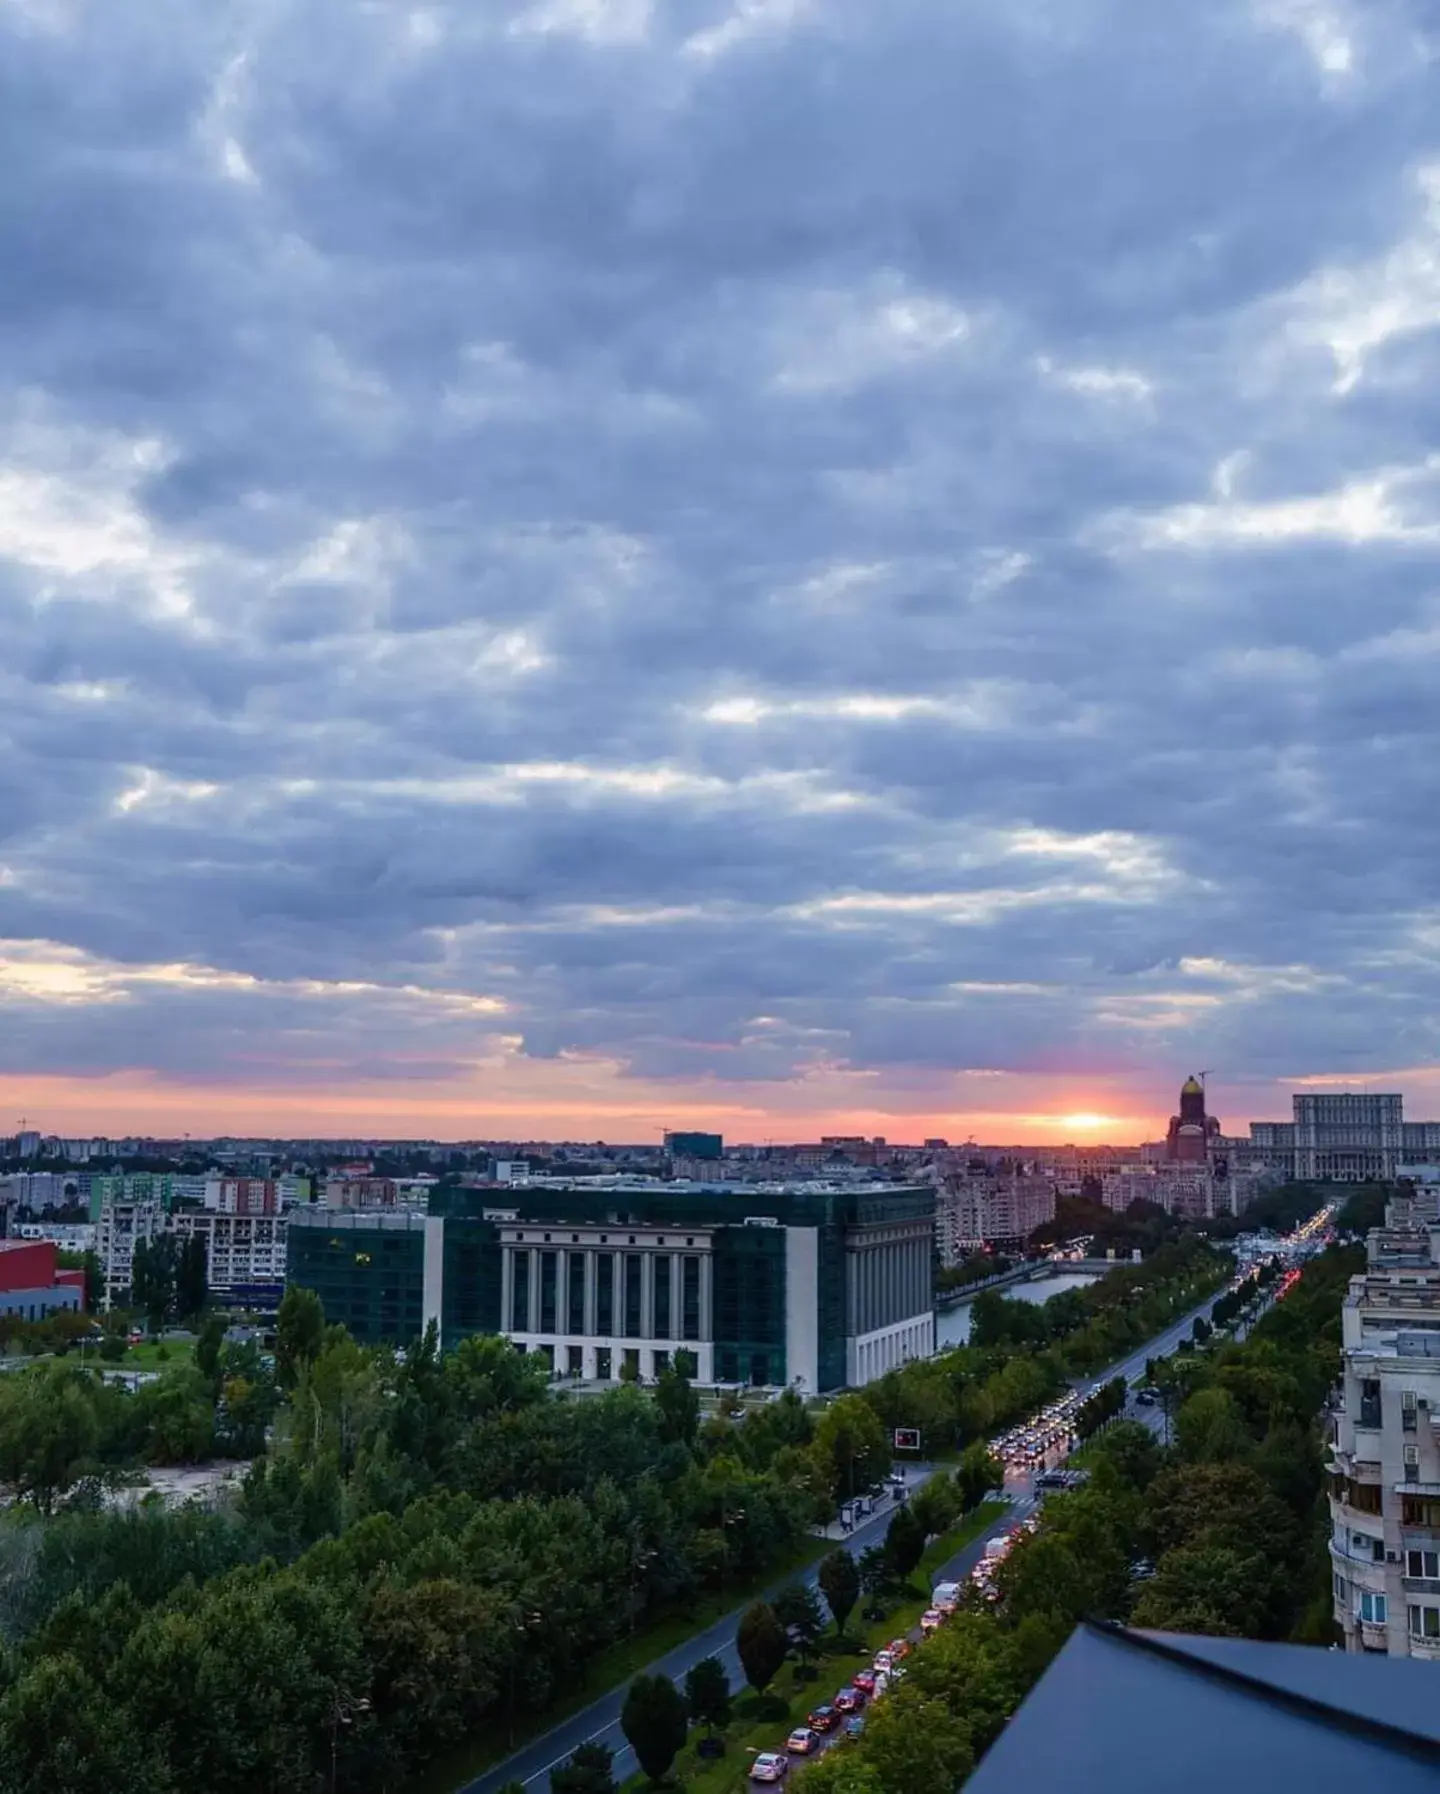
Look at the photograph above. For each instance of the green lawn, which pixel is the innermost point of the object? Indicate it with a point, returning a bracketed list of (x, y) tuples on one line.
[(748, 1732), (611, 1668), (148, 1356)]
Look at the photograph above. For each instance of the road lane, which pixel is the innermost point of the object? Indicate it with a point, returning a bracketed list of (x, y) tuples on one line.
[(600, 1721)]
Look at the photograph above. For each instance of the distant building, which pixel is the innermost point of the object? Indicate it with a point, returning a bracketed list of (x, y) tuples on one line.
[(32, 1285), (1192, 1131), (695, 1146), (810, 1287), (972, 1214), (1344, 1137)]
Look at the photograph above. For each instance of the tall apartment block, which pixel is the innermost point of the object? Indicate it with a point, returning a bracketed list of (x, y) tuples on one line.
[(1385, 1478)]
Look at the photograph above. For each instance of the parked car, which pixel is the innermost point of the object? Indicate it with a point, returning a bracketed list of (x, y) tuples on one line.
[(884, 1663), (899, 1648), (931, 1620), (823, 1719), (849, 1700), (802, 1741), (864, 1680), (769, 1766), (854, 1728)]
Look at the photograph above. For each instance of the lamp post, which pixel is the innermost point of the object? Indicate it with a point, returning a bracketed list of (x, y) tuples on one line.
[(520, 1625), (343, 1709), (640, 1562)]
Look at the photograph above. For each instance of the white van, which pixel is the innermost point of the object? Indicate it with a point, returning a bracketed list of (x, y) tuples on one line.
[(946, 1596)]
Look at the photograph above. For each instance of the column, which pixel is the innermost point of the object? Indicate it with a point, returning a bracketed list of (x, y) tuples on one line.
[(535, 1291), (507, 1285), (707, 1330)]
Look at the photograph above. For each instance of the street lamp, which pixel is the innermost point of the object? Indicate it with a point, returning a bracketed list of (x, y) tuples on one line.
[(520, 1624), (343, 1709), (639, 1562)]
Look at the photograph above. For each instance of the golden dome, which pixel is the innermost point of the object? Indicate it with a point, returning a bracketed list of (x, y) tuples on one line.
[(1192, 1087)]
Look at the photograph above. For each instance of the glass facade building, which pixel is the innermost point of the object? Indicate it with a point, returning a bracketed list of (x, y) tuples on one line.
[(811, 1287)]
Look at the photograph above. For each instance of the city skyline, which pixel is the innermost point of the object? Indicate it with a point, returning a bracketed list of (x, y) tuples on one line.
[(582, 566), (992, 1128)]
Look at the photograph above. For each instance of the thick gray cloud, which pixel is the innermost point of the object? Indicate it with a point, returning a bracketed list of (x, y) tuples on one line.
[(742, 541)]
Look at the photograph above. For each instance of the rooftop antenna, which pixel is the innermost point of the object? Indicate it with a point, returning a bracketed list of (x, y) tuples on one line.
[(1202, 1075)]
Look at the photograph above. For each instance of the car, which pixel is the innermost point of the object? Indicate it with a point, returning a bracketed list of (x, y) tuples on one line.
[(802, 1741), (1146, 1398), (849, 1700), (854, 1728), (823, 1719), (884, 1662), (931, 1620), (864, 1680), (946, 1596), (899, 1647), (769, 1766), (882, 1682)]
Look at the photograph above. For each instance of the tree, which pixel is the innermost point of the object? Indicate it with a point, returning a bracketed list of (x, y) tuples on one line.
[(707, 1694), (762, 1645), (152, 1279), (299, 1334), (1209, 1429), (935, 1506), (840, 1584), (1134, 1452), (49, 1432), (208, 1347), (655, 1720), (59, 1731), (797, 1607), (191, 1277), (851, 1445), (587, 1770), (679, 1405), (904, 1542), (875, 1576), (979, 1472)]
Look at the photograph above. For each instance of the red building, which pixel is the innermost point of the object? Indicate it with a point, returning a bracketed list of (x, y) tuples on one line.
[(31, 1283), (1191, 1131)]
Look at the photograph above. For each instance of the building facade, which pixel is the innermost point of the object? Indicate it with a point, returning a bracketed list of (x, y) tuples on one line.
[(1385, 1474), (1346, 1137), (972, 1214), (31, 1284), (811, 1288)]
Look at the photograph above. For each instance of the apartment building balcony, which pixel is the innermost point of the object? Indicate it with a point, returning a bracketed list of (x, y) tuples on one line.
[(1429, 1488), (1373, 1635), (1425, 1650), (1421, 1585)]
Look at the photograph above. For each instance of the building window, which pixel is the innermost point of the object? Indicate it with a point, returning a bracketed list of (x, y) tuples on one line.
[(520, 1292), (1342, 1590), (690, 1298), (1369, 1402), (1423, 1563), (1369, 1608), (575, 1294), (1366, 1548), (1412, 1463), (662, 1298), (1407, 1410), (548, 1279), (633, 1271), (602, 1363), (1424, 1622), (605, 1296), (575, 1360)]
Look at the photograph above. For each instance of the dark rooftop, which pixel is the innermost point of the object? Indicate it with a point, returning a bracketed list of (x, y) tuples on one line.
[(1161, 1713)]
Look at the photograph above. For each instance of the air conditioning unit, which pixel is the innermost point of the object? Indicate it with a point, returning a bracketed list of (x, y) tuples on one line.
[(1392, 1557)]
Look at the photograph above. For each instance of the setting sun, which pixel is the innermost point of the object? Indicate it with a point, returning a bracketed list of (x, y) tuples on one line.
[(1086, 1120)]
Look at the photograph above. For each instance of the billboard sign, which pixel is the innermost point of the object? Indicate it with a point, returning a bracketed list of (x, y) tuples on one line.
[(907, 1438)]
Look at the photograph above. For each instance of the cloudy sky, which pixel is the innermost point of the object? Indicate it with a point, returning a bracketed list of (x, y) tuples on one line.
[(803, 564)]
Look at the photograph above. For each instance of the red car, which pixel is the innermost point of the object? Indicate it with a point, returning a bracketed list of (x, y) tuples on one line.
[(823, 1719), (849, 1700), (864, 1681)]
